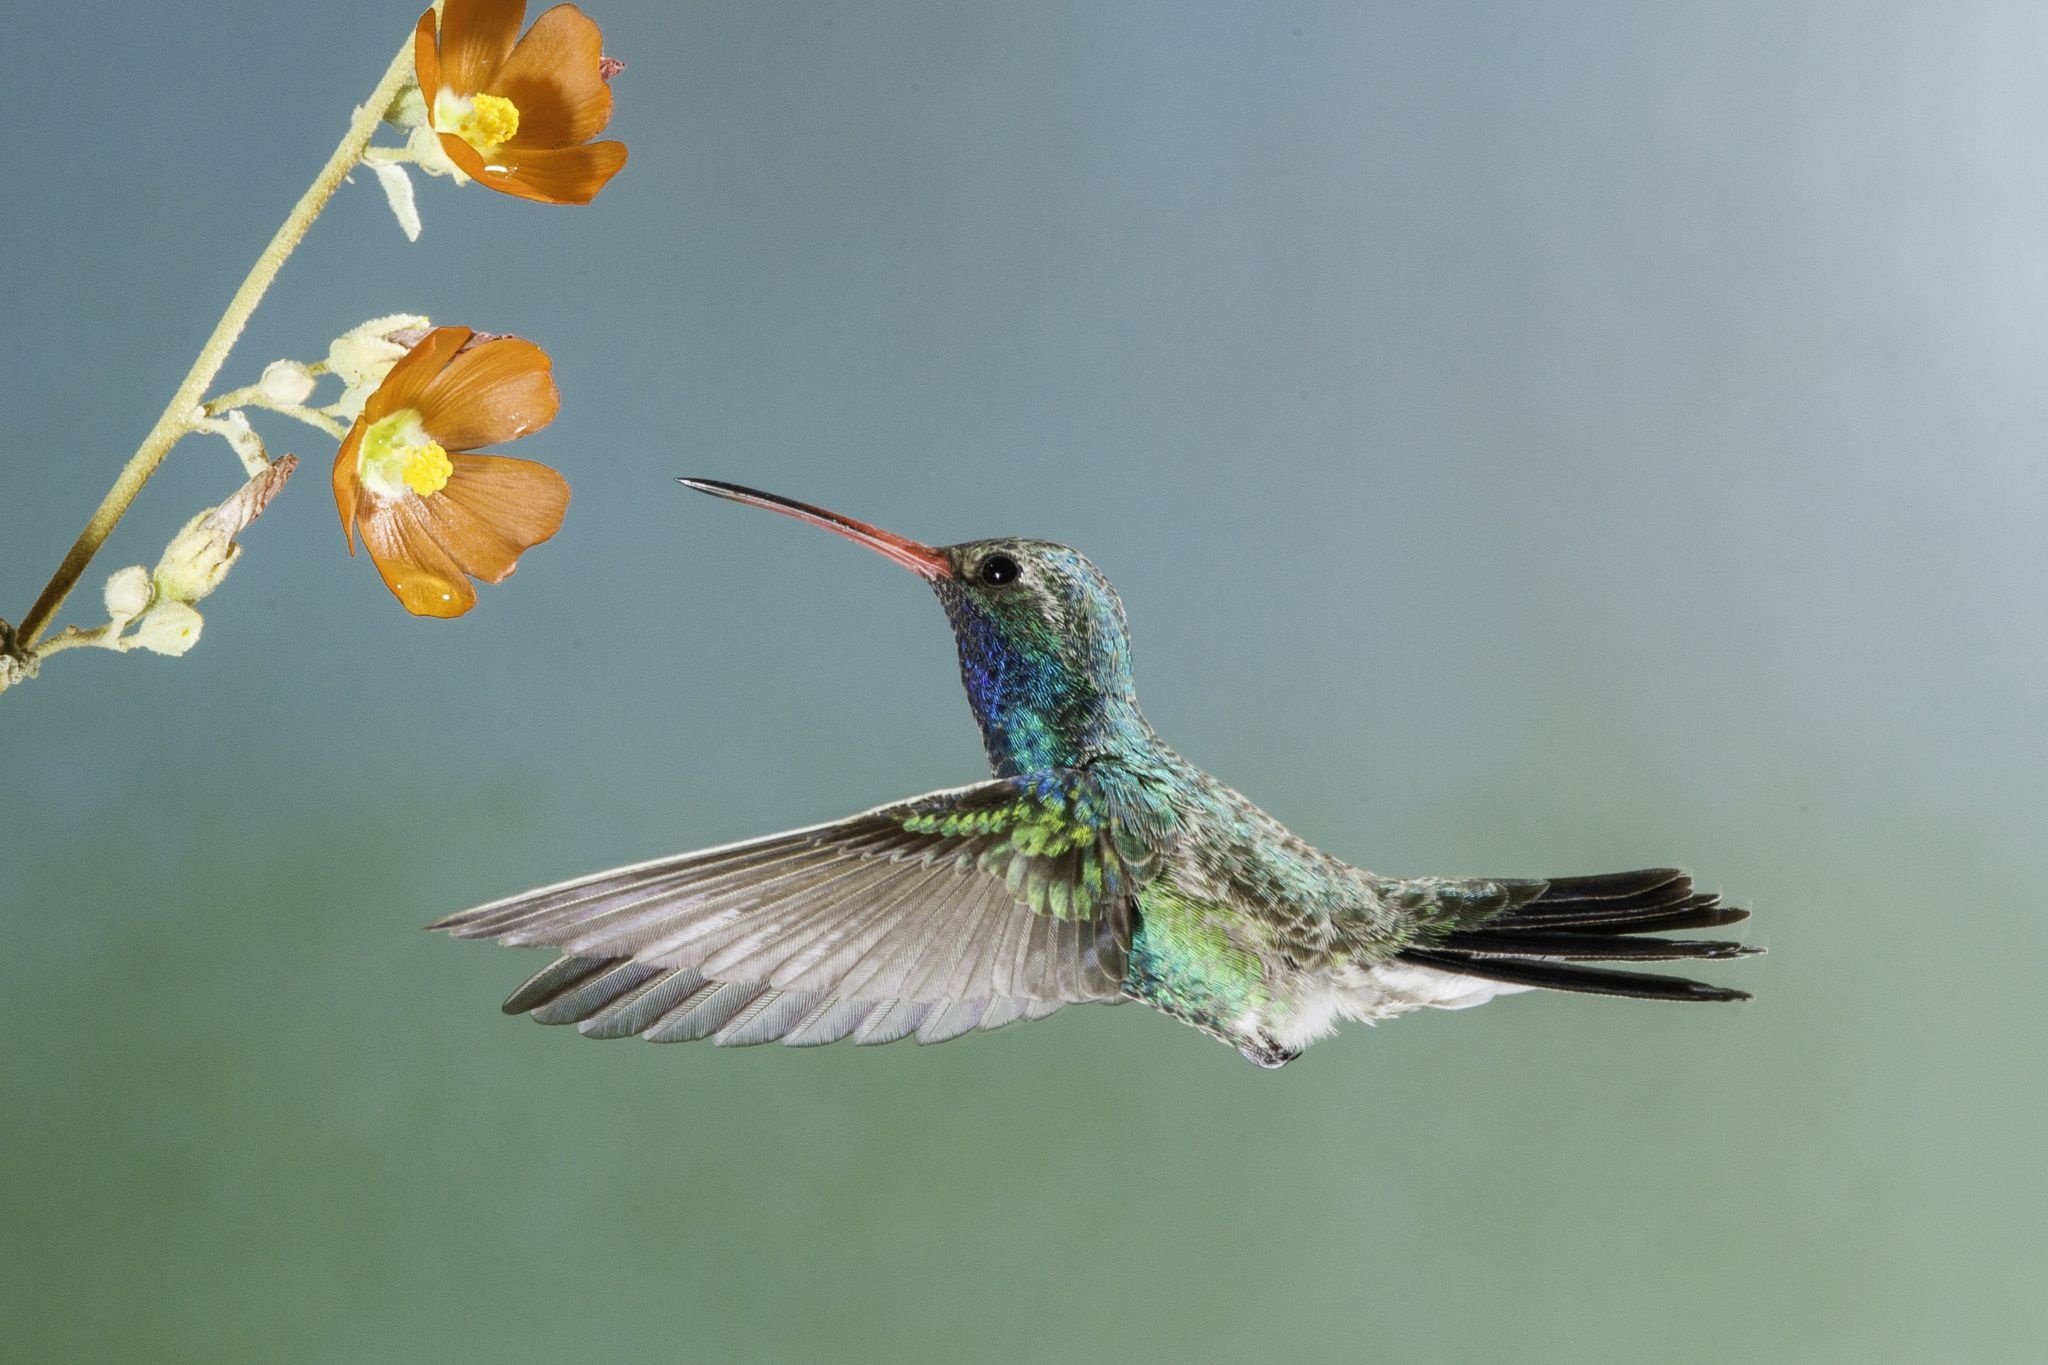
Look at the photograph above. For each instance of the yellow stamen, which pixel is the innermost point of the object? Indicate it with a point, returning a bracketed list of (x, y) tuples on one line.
[(397, 454), (490, 121), (427, 468)]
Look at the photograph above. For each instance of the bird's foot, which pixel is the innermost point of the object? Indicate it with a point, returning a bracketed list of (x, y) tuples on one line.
[(1267, 1053)]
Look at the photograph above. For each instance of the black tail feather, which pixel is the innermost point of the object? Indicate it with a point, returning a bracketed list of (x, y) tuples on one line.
[(1595, 919), (1557, 976), (1602, 912), (1707, 915), (1610, 896), (1616, 885), (1588, 947)]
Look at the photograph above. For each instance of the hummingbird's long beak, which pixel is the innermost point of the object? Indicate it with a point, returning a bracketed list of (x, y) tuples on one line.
[(922, 560)]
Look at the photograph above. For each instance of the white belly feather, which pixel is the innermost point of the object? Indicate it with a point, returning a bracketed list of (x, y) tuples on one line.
[(1370, 994)]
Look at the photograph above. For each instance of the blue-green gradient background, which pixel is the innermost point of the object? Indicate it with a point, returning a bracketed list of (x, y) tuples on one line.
[(1528, 439)]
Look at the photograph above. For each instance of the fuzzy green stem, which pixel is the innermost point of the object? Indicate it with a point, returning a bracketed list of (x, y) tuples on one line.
[(176, 419), (71, 637), (252, 397)]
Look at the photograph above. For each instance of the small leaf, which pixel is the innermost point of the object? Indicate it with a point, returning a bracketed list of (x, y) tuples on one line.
[(398, 193)]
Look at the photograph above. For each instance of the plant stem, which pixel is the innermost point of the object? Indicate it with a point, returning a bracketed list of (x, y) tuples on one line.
[(71, 637), (252, 397), (176, 419)]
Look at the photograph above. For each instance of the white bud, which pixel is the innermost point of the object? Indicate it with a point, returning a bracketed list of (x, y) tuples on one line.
[(363, 358), (195, 561), (286, 383), (364, 354), (166, 628), (128, 593)]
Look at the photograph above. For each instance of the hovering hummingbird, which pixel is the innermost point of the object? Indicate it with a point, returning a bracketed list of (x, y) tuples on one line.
[(1095, 865)]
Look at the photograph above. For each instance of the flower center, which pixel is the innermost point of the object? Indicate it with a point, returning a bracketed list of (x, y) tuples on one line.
[(485, 122), (397, 454)]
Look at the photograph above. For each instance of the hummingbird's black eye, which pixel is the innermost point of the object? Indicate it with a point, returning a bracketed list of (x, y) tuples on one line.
[(997, 570)]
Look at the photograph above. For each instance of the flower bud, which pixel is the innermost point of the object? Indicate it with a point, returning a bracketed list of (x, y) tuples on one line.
[(128, 593), (363, 355), (408, 109), (166, 628), (286, 383), (195, 561)]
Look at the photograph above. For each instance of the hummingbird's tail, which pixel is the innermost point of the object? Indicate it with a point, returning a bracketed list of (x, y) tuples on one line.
[(1594, 919)]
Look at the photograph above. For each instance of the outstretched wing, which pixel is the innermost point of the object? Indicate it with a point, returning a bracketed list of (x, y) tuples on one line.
[(962, 909)]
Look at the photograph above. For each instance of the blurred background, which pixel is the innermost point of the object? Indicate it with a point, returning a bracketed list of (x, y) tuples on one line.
[(1528, 439)]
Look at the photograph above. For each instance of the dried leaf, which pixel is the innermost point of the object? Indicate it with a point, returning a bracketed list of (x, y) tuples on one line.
[(248, 501)]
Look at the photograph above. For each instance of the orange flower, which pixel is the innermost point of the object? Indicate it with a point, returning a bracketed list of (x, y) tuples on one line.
[(519, 115), (433, 515)]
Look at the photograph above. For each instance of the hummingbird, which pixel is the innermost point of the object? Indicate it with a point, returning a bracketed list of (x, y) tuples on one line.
[(1094, 865)]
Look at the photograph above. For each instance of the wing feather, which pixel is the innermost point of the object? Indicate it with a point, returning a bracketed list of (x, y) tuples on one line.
[(639, 1009), (964, 910), (949, 1021), (938, 968), (769, 1016), (572, 1005), (702, 1012), (832, 954), (890, 1021), (832, 1020)]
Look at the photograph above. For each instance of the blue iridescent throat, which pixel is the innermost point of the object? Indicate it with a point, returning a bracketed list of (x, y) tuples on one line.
[(1041, 707)]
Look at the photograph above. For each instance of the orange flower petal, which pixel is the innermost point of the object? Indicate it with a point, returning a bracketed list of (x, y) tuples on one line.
[(426, 58), (498, 390), (494, 509), (347, 490), (419, 570), (553, 77), (476, 38), (549, 175), (413, 372), (467, 157)]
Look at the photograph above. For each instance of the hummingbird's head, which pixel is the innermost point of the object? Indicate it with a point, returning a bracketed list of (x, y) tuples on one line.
[(1044, 651), (1036, 597)]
